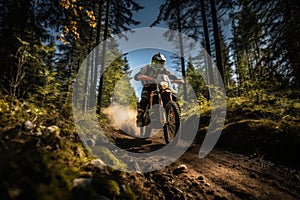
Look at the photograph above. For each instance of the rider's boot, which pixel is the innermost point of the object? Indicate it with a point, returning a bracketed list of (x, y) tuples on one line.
[(140, 118)]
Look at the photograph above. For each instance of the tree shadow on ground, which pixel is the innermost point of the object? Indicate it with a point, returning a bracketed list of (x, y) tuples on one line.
[(138, 145)]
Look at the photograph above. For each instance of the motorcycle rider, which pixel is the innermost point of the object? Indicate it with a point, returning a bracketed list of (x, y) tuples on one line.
[(147, 75)]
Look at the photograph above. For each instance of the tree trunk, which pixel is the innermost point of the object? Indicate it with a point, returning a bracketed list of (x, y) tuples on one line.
[(235, 58), (181, 51), (216, 38), (96, 59), (210, 78), (292, 38), (99, 99), (87, 83)]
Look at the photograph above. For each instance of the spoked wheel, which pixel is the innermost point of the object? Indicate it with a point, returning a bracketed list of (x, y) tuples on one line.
[(172, 126), (145, 132)]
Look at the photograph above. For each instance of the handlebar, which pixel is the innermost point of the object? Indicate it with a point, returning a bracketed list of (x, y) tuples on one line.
[(148, 78), (178, 81)]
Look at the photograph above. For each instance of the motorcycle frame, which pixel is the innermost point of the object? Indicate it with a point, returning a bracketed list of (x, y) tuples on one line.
[(158, 92)]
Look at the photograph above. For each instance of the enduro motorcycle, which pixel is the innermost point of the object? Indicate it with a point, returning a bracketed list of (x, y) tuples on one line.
[(163, 110)]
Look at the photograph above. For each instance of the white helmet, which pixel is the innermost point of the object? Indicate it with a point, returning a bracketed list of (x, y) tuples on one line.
[(158, 58)]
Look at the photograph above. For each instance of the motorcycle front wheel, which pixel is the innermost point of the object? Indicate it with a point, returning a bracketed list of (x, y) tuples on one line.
[(173, 120), (145, 132)]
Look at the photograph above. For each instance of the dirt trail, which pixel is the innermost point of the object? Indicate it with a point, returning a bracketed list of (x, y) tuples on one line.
[(220, 175)]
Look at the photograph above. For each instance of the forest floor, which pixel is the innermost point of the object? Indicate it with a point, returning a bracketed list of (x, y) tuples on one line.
[(54, 167), (220, 175), (256, 157)]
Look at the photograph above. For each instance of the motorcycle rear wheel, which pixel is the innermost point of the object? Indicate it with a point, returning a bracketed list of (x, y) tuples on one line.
[(173, 122)]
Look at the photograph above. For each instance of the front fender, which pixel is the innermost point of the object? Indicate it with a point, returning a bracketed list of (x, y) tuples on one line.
[(170, 90)]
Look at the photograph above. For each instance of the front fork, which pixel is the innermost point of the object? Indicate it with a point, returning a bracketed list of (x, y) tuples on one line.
[(162, 113)]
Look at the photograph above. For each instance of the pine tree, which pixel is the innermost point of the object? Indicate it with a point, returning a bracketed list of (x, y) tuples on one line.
[(118, 16)]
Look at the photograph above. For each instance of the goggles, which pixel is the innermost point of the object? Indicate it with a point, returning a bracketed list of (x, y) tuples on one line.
[(158, 62)]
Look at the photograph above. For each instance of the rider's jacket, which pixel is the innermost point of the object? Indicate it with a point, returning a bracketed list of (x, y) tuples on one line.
[(149, 70)]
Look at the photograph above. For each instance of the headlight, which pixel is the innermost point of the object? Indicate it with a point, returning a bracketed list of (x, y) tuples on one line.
[(164, 84)]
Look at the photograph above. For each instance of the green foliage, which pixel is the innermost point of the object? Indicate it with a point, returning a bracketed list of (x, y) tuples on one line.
[(27, 60), (188, 109), (124, 93), (262, 44), (105, 154), (204, 104), (195, 108), (194, 78), (113, 188), (60, 177), (129, 194), (88, 124), (117, 84), (46, 173), (282, 110), (49, 91), (112, 75), (15, 112)]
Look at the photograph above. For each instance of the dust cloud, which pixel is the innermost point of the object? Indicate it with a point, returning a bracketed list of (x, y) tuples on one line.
[(122, 118)]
